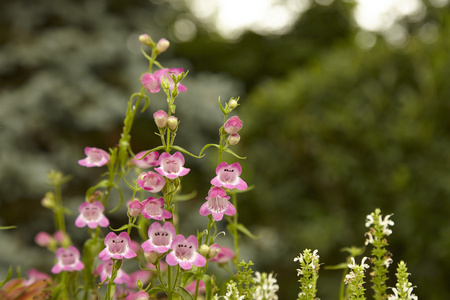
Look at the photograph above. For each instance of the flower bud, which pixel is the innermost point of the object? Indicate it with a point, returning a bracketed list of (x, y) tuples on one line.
[(233, 125), (203, 250), (233, 139), (160, 118), (172, 122), (151, 256), (146, 40), (43, 239), (232, 104), (134, 207), (214, 250), (141, 295), (49, 200), (162, 45)]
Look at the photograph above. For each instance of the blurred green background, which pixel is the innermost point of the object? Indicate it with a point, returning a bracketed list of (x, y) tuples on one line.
[(338, 121)]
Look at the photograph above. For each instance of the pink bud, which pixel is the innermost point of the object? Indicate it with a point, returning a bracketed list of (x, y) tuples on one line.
[(150, 82), (162, 45), (146, 40), (160, 118), (43, 239), (233, 139), (134, 207), (233, 125)]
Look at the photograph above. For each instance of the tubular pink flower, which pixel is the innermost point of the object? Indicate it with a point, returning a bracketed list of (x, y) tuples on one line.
[(105, 270), (184, 252), (191, 287), (151, 82), (150, 160), (166, 73), (217, 204), (68, 260), (94, 157), (134, 208), (228, 176), (143, 276), (151, 181), (224, 256), (117, 247), (160, 237), (171, 166), (91, 214), (233, 125), (153, 209), (34, 275), (43, 239)]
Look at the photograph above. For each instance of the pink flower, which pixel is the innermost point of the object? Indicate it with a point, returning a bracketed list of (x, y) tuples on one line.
[(160, 118), (95, 157), (150, 160), (143, 276), (151, 181), (184, 252), (105, 270), (43, 239), (134, 208), (151, 82), (166, 73), (191, 287), (117, 247), (233, 125), (224, 256), (68, 260), (171, 166), (228, 176), (141, 295), (34, 275), (217, 204), (91, 214), (160, 237), (153, 209)]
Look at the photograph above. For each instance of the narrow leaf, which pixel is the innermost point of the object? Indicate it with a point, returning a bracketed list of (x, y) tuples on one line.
[(247, 232), (234, 154), (207, 146), (185, 151), (183, 293)]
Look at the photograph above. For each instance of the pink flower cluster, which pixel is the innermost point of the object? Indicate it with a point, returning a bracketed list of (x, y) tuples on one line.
[(217, 204), (152, 81), (184, 251)]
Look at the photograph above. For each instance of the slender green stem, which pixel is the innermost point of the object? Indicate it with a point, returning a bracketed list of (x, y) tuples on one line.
[(235, 233)]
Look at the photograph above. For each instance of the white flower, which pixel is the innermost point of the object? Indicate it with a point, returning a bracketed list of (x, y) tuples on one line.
[(369, 220)]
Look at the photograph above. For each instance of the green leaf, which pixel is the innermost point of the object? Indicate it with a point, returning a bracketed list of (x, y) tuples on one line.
[(121, 198), (221, 108), (236, 191), (123, 227), (8, 276), (185, 151), (208, 286), (185, 197), (247, 232), (7, 227), (207, 146), (183, 293), (152, 150), (340, 266), (156, 289), (145, 54), (102, 184), (234, 154), (147, 102)]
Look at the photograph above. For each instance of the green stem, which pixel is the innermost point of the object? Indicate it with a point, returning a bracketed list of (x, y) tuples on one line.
[(235, 233)]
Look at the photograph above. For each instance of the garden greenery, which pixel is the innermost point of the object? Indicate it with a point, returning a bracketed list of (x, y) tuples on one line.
[(166, 263)]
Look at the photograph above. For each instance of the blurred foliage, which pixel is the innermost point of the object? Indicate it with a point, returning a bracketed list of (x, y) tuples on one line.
[(331, 130)]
